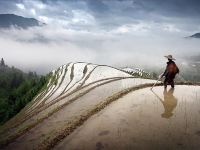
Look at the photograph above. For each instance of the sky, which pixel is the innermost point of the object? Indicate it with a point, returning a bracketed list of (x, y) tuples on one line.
[(114, 32)]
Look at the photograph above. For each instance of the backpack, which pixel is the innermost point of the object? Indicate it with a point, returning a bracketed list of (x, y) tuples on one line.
[(172, 69)]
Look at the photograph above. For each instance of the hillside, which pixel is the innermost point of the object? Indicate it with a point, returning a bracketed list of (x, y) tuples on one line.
[(75, 93), (137, 72), (9, 20), (16, 90), (76, 90), (196, 35)]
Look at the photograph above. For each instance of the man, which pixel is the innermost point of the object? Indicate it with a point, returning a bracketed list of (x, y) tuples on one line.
[(170, 72)]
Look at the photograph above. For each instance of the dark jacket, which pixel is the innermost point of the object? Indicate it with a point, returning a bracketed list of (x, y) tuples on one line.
[(171, 70)]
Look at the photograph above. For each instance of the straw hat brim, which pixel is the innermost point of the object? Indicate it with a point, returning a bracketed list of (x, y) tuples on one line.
[(170, 58)]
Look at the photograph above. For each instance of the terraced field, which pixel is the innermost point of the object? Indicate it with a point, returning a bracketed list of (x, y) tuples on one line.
[(166, 120), (74, 95)]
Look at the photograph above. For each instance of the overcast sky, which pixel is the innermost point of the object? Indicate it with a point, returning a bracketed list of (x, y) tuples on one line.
[(113, 32)]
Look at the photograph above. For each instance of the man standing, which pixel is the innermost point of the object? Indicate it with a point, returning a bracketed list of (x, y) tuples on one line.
[(170, 72)]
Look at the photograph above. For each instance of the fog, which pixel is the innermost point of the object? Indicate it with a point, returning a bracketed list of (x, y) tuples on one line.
[(42, 49)]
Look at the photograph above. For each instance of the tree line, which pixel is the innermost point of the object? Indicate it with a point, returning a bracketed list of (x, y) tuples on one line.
[(17, 89)]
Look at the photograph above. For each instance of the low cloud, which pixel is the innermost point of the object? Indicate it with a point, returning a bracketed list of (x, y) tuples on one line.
[(44, 48)]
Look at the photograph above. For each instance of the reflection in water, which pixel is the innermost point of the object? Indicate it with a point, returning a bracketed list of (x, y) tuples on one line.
[(169, 102)]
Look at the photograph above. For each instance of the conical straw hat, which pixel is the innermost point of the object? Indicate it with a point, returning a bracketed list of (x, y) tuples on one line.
[(170, 57)]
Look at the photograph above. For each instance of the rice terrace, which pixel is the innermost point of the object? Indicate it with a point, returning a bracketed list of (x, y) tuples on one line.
[(74, 111)]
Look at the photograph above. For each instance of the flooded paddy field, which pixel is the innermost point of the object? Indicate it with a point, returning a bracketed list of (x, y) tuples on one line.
[(143, 119)]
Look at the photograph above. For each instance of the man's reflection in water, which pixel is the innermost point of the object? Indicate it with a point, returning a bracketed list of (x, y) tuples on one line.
[(169, 103)]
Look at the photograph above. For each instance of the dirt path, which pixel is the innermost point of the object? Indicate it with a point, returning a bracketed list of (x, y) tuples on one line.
[(143, 120)]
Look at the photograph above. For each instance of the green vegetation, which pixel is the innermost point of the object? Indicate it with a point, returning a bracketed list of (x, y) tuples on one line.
[(17, 89)]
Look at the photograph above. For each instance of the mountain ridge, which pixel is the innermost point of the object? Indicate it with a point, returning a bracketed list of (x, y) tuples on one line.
[(12, 20), (196, 35)]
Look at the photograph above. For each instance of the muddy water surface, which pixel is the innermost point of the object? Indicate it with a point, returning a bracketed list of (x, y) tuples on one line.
[(143, 120)]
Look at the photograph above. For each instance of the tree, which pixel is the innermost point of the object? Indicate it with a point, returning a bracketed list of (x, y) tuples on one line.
[(17, 89), (2, 62)]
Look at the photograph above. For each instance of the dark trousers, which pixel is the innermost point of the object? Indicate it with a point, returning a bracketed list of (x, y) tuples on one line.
[(168, 81)]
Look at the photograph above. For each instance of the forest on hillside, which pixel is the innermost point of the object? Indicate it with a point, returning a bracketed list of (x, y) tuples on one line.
[(17, 89)]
